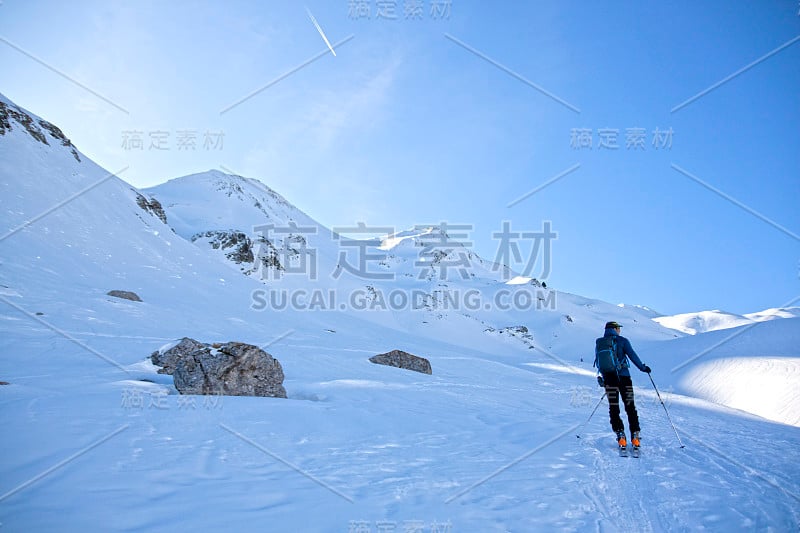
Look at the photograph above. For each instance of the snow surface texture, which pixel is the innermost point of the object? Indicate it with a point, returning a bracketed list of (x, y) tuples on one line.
[(95, 439)]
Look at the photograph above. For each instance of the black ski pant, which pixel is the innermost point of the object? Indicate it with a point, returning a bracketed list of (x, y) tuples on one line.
[(621, 388)]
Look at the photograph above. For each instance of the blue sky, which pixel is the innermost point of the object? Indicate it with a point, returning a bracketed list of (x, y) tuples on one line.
[(407, 126)]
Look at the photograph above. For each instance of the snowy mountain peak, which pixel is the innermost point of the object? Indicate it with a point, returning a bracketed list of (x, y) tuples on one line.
[(236, 185), (244, 222), (214, 200)]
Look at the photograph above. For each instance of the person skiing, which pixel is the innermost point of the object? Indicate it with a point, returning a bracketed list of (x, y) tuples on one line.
[(612, 352)]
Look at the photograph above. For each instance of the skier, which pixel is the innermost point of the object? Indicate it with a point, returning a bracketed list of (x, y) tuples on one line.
[(616, 378)]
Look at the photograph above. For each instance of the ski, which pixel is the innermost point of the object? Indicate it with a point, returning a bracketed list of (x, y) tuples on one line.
[(635, 452), (622, 443)]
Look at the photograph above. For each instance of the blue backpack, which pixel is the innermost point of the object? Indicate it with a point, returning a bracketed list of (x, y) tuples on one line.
[(605, 355)]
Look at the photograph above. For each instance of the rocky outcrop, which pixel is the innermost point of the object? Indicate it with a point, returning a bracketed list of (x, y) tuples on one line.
[(230, 369), (405, 360), (56, 133), (269, 257), (152, 206), (520, 333), (10, 112), (127, 295), (276, 255), (240, 244)]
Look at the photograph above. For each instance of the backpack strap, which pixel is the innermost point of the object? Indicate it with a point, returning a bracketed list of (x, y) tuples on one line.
[(622, 362)]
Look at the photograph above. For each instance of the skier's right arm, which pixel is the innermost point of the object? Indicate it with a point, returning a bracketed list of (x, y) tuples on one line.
[(628, 350)]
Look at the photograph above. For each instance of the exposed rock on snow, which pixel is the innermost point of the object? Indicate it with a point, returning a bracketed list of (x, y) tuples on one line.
[(516, 332), (127, 295), (10, 111), (152, 206), (401, 359), (231, 369), (242, 246), (268, 255)]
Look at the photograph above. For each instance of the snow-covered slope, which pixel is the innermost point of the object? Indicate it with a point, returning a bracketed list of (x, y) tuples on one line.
[(642, 309), (755, 368), (703, 321), (772, 314), (95, 439)]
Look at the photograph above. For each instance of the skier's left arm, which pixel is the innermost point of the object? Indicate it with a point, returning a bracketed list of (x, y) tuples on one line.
[(633, 357)]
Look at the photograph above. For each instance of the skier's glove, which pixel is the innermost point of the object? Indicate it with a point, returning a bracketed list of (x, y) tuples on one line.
[(647, 369), (600, 381)]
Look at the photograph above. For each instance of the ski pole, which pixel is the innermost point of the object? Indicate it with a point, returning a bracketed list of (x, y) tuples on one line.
[(665, 410), (591, 415)]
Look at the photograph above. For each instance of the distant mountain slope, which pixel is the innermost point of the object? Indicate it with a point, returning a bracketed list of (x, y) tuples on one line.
[(245, 223), (703, 321), (227, 212), (216, 200), (774, 313), (422, 279)]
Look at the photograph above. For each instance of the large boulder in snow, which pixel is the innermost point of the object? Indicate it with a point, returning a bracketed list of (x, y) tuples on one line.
[(125, 295), (401, 359), (167, 357), (230, 369)]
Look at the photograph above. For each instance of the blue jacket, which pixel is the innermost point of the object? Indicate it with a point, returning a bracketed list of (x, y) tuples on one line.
[(624, 351)]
